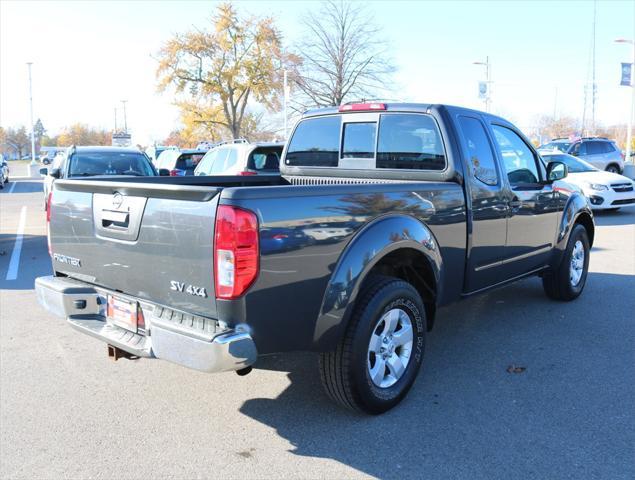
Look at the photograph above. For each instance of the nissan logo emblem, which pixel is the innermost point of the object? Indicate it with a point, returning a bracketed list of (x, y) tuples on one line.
[(117, 200)]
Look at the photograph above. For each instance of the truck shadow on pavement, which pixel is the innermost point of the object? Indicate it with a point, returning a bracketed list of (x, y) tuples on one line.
[(512, 385), (34, 261)]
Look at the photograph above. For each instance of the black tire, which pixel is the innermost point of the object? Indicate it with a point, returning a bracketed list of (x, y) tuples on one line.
[(345, 372), (613, 168), (557, 283)]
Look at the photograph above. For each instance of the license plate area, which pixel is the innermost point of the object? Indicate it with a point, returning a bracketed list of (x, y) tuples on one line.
[(122, 313)]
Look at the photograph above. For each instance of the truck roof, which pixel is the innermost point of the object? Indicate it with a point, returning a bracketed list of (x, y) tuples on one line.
[(402, 107)]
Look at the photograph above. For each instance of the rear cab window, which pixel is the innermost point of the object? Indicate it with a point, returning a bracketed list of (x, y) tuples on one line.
[(390, 141), (315, 143)]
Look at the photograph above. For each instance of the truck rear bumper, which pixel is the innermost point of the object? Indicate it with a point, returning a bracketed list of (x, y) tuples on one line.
[(210, 350)]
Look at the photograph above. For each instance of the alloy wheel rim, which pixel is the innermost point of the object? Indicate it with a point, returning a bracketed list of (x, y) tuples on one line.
[(390, 348), (576, 267)]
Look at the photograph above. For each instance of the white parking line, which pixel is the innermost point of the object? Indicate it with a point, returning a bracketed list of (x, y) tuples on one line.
[(12, 187), (14, 263)]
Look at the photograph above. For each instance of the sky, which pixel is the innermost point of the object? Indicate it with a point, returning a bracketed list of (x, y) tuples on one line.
[(88, 56)]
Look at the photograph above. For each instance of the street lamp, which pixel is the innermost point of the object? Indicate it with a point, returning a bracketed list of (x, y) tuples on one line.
[(632, 110), (33, 162), (488, 80), (125, 120)]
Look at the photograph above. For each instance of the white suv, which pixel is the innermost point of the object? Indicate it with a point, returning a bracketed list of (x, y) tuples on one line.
[(239, 157)]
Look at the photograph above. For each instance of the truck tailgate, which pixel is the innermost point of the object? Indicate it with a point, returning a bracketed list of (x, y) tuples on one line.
[(152, 241)]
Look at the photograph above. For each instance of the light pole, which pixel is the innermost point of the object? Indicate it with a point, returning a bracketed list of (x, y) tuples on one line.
[(125, 120), (488, 80), (632, 109), (285, 98), (33, 162)]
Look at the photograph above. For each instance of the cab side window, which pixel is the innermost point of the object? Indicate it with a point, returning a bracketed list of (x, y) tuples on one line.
[(518, 159), (480, 156)]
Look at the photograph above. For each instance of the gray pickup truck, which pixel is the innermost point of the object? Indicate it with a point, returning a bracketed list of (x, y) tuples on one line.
[(382, 214)]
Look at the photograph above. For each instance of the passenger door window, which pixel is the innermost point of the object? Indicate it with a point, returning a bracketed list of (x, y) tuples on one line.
[(594, 148), (518, 159), (219, 162), (206, 164), (481, 158), (232, 158)]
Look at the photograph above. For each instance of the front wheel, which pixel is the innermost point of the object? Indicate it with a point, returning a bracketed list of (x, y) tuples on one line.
[(378, 359), (567, 281), (613, 169)]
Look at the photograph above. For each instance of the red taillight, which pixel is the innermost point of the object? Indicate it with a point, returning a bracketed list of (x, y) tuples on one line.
[(235, 251), (141, 321), (246, 174), (48, 222), (177, 173), (362, 107), (48, 207)]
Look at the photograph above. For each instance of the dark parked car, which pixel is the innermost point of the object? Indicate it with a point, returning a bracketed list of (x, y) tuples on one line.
[(410, 207), (96, 161), (179, 162)]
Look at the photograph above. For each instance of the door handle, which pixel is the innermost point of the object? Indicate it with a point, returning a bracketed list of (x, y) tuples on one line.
[(113, 218)]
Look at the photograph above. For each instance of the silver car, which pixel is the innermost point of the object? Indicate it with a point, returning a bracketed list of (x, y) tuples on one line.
[(600, 152)]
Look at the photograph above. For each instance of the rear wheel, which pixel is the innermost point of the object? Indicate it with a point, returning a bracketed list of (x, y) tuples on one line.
[(567, 281), (378, 359), (613, 168)]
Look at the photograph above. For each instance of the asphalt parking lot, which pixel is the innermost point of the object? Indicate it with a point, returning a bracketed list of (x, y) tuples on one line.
[(68, 411)]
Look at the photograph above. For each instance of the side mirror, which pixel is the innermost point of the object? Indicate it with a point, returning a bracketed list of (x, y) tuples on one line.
[(556, 171), (55, 173), (44, 172), (164, 172)]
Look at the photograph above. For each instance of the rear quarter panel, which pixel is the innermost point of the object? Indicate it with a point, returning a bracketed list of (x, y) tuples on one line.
[(283, 305)]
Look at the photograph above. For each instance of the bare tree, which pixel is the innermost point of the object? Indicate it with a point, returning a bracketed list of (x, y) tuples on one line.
[(344, 56), (548, 126)]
